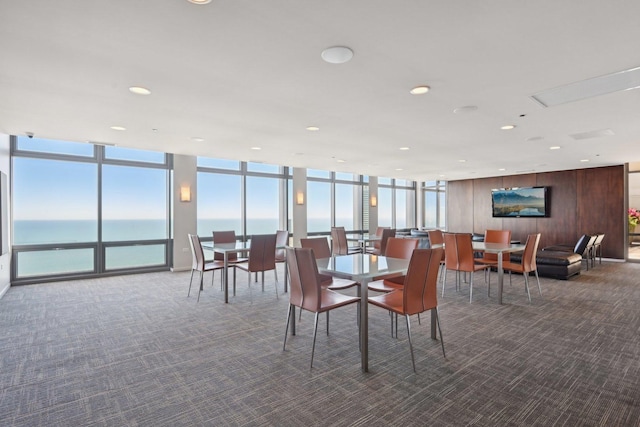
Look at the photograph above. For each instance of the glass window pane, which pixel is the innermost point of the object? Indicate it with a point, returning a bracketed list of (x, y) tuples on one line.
[(119, 153), (318, 206), (403, 183), (261, 167), (208, 162), (219, 203), (430, 209), (290, 205), (61, 261), (117, 257), (385, 207), (54, 201), (442, 212), (401, 209), (41, 145), (134, 203), (345, 206), (263, 205), (384, 181), (316, 173), (346, 176)]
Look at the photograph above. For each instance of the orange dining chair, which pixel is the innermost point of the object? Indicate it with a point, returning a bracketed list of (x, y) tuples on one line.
[(199, 264), (386, 234), (339, 245), (419, 292), (376, 243), (437, 240), (396, 248), (495, 236), (282, 240), (262, 257), (308, 294), (320, 247), (459, 258), (528, 263), (230, 238)]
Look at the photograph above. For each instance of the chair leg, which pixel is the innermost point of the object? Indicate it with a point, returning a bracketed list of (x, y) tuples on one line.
[(315, 331), (538, 280), (471, 289), (327, 323), (200, 289), (276, 283), (286, 330), (526, 285), (440, 331), (190, 280), (413, 361), (275, 272), (444, 279)]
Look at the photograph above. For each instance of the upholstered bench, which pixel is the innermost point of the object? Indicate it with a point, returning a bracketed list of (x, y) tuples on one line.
[(555, 264)]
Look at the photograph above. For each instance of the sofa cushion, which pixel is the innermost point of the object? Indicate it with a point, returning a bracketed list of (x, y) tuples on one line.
[(547, 257)]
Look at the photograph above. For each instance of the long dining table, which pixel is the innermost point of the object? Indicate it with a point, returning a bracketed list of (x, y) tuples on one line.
[(362, 268)]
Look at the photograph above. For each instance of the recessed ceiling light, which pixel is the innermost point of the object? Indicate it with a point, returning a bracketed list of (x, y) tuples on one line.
[(139, 90), (256, 148), (340, 161), (465, 109), (502, 169), (441, 176), (584, 160), (313, 128), (555, 147), (404, 148), (337, 55), (197, 139), (399, 169), (534, 138), (508, 127), (462, 160), (419, 90), (199, 1), (118, 128)]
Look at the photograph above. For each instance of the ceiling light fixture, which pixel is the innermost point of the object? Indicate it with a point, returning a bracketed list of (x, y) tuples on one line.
[(139, 90), (199, 1), (256, 148), (508, 127), (197, 139), (584, 160), (465, 109), (118, 128), (555, 147), (313, 128), (404, 148), (340, 161), (337, 55), (462, 160), (399, 169), (419, 90), (502, 169)]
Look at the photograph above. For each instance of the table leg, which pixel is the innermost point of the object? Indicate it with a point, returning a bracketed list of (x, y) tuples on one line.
[(363, 289), (500, 277), (225, 271)]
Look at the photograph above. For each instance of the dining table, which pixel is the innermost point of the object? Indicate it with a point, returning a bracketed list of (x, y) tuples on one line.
[(233, 248), (363, 268), (499, 249), (364, 240)]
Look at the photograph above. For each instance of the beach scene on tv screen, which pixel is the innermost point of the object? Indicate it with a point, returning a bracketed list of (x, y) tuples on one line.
[(519, 202)]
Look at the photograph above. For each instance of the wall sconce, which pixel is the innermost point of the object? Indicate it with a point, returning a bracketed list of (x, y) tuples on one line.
[(374, 201), (299, 198), (185, 193)]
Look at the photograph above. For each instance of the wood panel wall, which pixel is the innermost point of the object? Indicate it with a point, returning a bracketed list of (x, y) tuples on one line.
[(582, 201)]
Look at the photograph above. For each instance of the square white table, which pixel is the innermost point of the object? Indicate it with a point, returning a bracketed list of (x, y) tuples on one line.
[(362, 268), (364, 240)]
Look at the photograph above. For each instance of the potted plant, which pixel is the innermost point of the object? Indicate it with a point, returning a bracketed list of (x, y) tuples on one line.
[(634, 219)]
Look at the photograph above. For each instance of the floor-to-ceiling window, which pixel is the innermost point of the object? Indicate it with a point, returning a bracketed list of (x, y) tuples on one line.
[(396, 203), (333, 199), (81, 209), (248, 198), (633, 215), (434, 204)]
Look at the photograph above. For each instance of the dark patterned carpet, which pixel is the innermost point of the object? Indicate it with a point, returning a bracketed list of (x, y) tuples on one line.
[(135, 351)]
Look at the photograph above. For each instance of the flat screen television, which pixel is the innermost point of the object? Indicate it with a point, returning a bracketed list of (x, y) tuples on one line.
[(520, 202)]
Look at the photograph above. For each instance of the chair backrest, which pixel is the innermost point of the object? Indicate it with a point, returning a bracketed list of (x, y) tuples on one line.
[(339, 241), (262, 252), (582, 244), (497, 236), (303, 271), (282, 239), (599, 239), (224, 237), (420, 292), (320, 246), (451, 251), (197, 254), (386, 234), (530, 251), (400, 248), (376, 243), (466, 260), (435, 237)]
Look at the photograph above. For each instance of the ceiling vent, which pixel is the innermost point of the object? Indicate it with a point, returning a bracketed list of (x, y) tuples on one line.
[(592, 134), (615, 82)]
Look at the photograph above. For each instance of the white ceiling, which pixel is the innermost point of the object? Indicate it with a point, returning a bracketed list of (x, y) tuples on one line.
[(244, 74)]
